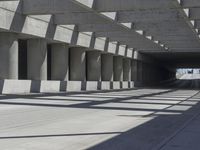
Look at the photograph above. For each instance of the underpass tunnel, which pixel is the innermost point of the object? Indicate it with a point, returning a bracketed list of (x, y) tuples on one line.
[(111, 71), (167, 72), (153, 72), (94, 49)]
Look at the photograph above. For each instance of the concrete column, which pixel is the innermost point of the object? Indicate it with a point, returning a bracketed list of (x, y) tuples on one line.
[(126, 69), (37, 59), (139, 71), (118, 68), (134, 70), (77, 64), (144, 71), (8, 56), (59, 62), (107, 67), (93, 66)]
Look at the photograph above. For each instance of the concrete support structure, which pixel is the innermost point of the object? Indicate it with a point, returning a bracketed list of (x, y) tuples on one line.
[(37, 59), (126, 69), (118, 68), (93, 66), (59, 62), (134, 68), (127, 55), (77, 64), (107, 67), (8, 56), (139, 71), (144, 73)]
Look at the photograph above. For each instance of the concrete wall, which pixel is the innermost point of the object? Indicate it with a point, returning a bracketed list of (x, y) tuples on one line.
[(32, 86)]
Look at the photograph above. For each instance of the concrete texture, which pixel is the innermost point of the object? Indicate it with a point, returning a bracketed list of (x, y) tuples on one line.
[(8, 56), (131, 119), (59, 62), (127, 69), (140, 71), (134, 70), (77, 64), (107, 67), (118, 68), (93, 66), (37, 59), (33, 86)]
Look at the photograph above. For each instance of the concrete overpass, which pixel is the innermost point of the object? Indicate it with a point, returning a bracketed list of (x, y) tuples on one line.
[(73, 45), (95, 59)]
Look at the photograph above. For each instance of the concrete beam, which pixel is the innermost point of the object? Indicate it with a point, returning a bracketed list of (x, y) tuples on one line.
[(78, 18), (38, 7), (99, 28), (148, 15), (190, 3), (131, 5)]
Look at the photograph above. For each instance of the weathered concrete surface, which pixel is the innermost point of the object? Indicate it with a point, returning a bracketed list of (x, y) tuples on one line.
[(132, 119), (118, 68), (37, 59), (77, 64), (8, 56), (59, 62), (127, 70), (93, 66), (107, 67)]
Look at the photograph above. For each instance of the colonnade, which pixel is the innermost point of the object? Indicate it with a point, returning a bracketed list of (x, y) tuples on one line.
[(59, 62)]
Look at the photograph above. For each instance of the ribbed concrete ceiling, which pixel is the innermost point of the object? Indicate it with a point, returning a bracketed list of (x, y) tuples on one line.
[(144, 25)]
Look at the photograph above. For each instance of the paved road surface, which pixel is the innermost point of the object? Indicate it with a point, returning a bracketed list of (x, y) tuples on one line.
[(139, 119)]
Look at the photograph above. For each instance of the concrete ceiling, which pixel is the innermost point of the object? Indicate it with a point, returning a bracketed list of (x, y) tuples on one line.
[(178, 59), (149, 26), (164, 24)]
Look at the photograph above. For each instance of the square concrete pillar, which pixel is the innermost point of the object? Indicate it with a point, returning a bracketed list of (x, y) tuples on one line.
[(118, 68), (93, 66), (140, 71), (37, 59), (134, 70), (8, 56), (77, 64), (126, 69), (59, 62), (107, 67)]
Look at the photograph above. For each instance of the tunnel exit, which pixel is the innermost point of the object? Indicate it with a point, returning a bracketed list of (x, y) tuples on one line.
[(188, 73)]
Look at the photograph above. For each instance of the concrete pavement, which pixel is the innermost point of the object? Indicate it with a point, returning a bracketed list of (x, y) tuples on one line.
[(138, 119)]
